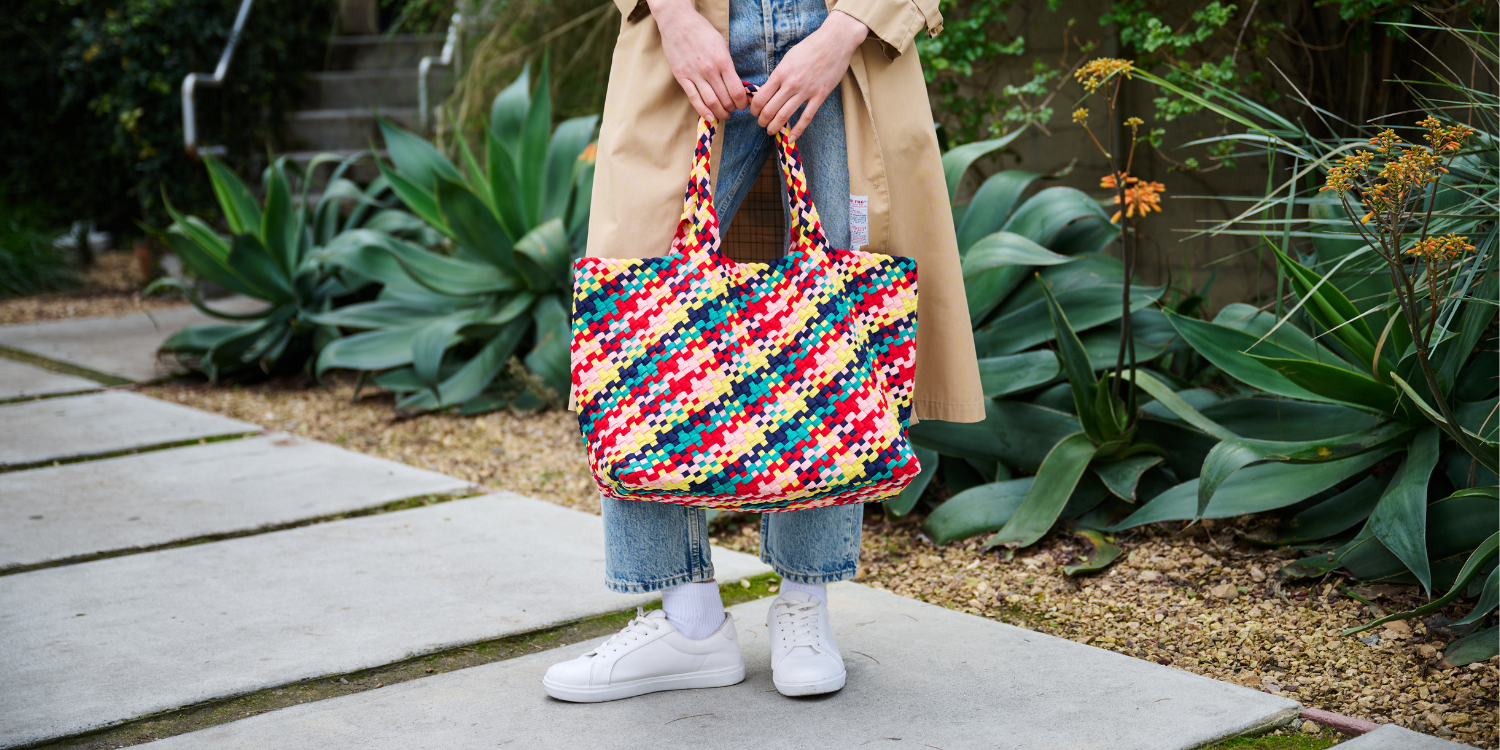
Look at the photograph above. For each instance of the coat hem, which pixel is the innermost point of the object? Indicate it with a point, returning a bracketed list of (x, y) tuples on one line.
[(947, 411)]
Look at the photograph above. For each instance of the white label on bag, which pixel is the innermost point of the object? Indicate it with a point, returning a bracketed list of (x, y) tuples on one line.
[(859, 221)]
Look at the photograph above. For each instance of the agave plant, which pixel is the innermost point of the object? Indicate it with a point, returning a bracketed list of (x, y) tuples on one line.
[(1396, 346), (446, 325), (269, 255)]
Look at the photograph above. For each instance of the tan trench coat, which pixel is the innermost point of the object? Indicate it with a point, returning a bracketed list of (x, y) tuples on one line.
[(646, 147)]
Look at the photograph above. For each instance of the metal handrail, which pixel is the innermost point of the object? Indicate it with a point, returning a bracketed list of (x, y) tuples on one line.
[(449, 57), (191, 82)]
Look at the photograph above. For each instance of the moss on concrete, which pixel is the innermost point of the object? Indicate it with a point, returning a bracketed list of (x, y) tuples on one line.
[(1278, 742)]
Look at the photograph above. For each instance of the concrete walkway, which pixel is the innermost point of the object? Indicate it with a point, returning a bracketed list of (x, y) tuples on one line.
[(121, 346), (160, 497), (67, 428), (920, 676), (1392, 737), (20, 380), (89, 645)]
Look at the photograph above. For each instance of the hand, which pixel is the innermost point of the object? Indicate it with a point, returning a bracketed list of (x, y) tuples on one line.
[(808, 73), (699, 57)]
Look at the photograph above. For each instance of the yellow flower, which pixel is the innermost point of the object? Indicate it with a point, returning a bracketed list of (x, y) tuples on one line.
[(1080, 114), (1135, 122), (1093, 74)]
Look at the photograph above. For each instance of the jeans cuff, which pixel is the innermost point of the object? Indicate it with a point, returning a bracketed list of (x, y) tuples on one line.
[(834, 577), (646, 587)]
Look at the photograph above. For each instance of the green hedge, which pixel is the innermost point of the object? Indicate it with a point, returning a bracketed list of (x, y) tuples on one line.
[(92, 93)]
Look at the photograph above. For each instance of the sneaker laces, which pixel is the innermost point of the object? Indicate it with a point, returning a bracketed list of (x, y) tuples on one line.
[(639, 628), (798, 622)]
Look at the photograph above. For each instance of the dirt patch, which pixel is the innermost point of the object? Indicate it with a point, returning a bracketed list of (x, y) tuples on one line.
[(109, 288), (1199, 600)]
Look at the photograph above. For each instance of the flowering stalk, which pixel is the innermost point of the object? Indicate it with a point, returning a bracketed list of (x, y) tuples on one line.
[(1406, 185), (1134, 196)]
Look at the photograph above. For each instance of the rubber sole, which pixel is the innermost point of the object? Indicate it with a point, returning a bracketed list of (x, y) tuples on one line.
[(692, 680), (794, 689)]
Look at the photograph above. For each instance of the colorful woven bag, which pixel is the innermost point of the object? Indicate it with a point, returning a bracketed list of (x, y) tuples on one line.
[(746, 386)]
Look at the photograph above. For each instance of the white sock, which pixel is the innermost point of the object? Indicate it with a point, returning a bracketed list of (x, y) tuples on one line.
[(695, 609), (819, 590)]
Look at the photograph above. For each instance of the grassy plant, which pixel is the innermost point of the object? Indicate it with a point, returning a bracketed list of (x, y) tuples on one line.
[(30, 262)]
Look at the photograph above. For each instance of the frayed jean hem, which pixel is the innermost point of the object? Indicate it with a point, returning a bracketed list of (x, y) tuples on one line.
[(648, 587), (834, 577)]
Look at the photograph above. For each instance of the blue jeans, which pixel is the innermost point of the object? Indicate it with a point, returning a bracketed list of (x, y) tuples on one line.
[(649, 546)]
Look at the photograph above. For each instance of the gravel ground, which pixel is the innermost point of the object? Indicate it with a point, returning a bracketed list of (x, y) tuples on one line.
[(109, 289), (1198, 600)]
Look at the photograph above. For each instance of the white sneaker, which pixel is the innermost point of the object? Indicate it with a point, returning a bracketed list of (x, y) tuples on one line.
[(647, 656), (804, 658)]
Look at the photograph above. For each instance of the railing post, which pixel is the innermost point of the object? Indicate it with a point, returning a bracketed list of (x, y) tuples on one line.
[(449, 58), (192, 80)]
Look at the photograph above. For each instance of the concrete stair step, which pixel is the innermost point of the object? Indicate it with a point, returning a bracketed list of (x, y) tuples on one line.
[(362, 171), (381, 52), (347, 129), (364, 89)]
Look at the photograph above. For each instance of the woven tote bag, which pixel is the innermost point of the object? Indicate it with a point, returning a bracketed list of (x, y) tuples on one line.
[(746, 386)]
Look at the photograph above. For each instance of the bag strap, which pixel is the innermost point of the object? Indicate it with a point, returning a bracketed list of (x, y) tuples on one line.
[(698, 229)]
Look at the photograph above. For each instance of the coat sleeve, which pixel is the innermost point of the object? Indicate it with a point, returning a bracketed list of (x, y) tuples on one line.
[(633, 10), (893, 22)]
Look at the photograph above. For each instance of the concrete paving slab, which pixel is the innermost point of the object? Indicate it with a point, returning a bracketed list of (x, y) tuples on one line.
[(919, 676), (150, 499), (89, 645), (122, 345), (93, 424), (1392, 737), (18, 380)]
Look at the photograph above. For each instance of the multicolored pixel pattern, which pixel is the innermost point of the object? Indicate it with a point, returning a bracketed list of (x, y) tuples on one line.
[(746, 386)]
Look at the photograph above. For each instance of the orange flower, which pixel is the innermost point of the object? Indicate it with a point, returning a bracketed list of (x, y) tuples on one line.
[(590, 153), (1440, 249), (1140, 196)]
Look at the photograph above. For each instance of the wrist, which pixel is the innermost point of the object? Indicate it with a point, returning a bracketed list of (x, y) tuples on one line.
[(845, 29), (668, 12)]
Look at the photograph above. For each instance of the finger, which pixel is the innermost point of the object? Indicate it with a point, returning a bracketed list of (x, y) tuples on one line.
[(784, 115), (710, 99), (715, 82), (692, 95), (764, 95), (773, 106), (807, 116), (738, 96)]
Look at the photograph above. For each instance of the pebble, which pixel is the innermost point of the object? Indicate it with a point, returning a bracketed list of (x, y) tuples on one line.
[(1224, 591)]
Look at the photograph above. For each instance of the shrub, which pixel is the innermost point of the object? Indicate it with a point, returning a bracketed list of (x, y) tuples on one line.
[(92, 88)]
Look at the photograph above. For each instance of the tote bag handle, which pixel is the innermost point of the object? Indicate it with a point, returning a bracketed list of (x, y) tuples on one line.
[(698, 230)]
